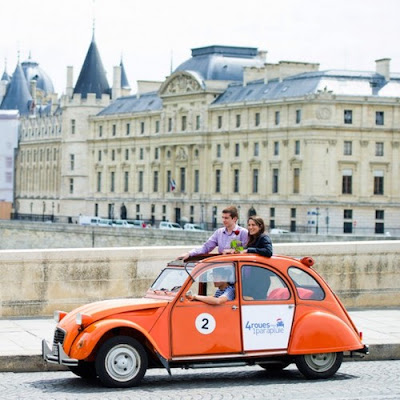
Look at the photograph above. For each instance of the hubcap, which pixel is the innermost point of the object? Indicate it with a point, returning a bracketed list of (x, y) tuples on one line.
[(122, 363), (320, 362)]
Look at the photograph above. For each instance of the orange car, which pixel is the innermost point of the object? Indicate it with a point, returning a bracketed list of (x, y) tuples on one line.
[(282, 312)]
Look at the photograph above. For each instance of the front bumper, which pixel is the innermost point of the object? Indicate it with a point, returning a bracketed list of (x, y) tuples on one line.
[(57, 356)]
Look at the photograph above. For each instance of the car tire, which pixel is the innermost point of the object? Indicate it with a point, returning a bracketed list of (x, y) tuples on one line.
[(319, 366), (121, 362), (84, 369)]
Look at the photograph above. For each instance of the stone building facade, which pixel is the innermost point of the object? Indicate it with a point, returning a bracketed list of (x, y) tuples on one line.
[(308, 150)]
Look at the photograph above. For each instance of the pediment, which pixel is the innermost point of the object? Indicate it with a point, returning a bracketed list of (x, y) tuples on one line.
[(181, 83)]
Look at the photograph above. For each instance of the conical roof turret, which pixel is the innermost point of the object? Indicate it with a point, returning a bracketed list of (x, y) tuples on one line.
[(92, 78), (17, 96), (124, 79)]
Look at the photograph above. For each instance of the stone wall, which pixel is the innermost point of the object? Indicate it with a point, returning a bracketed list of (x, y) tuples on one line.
[(37, 282)]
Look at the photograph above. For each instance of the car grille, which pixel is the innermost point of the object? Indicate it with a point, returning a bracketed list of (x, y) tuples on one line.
[(59, 336)]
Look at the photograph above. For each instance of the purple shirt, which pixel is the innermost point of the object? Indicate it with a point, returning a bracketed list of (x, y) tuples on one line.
[(222, 239)]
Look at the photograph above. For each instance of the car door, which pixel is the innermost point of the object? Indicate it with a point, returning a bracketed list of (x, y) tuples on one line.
[(202, 329), (267, 308)]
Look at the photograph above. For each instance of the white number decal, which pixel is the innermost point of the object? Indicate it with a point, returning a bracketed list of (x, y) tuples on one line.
[(205, 323)]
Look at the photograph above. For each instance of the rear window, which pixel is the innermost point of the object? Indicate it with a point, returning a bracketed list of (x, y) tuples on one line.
[(307, 287)]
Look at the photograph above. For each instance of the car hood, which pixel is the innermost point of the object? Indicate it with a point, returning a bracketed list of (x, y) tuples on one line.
[(103, 309)]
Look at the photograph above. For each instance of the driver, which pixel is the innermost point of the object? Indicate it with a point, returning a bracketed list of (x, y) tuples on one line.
[(225, 291)]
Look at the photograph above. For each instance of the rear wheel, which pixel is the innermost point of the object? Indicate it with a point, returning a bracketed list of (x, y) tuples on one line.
[(321, 365), (84, 369), (121, 362)]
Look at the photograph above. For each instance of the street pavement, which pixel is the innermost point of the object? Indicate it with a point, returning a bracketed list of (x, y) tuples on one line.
[(20, 339)]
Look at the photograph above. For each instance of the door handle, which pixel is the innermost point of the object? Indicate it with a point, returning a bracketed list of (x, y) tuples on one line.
[(234, 307)]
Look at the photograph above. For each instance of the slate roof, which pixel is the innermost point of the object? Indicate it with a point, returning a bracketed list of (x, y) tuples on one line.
[(351, 83), (223, 63), (33, 71), (92, 78), (17, 96), (124, 79), (131, 104)]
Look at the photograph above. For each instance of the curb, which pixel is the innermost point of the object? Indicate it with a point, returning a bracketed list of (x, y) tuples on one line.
[(35, 363)]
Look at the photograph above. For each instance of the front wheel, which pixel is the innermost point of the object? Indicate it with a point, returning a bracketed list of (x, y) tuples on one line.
[(319, 366), (121, 362)]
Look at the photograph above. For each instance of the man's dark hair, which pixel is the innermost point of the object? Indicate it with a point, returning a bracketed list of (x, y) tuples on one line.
[(232, 211)]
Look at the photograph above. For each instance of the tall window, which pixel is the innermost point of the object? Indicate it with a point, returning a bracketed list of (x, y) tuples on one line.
[(126, 181), (237, 149), (114, 129), (296, 180), (379, 149), (218, 150), (237, 120), (112, 155), (140, 181), (157, 126), (99, 181), (184, 119), (72, 161), (297, 147), (183, 179), (142, 127), (71, 185), (219, 121), (257, 119), (236, 181), (379, 118), (348, 223), (100, 130), (255, 180), (126, 154), (169, 180), (217, 181), (347, 182), (196, 181), (298, 116), (141, 153), (378, 182), (99, 155), (156, 153), (277, 117), (276, 148), (128, 129), (169, 124), (112, 183), (73, 125), (197, 122), (155, 181), (347, 148), (256, 149), (348, 116), (275, 180)]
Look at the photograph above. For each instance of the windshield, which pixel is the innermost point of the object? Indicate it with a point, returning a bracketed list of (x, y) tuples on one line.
[(170, 279)]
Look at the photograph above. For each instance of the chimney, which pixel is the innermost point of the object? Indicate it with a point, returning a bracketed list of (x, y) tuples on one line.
[(70, 87), (383, 67), (116, 88)]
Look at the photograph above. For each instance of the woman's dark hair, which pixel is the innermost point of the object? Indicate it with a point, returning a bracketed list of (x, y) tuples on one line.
[(260, 223)]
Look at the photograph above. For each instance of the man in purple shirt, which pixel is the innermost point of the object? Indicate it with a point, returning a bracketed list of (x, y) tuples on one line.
[(222, 237)]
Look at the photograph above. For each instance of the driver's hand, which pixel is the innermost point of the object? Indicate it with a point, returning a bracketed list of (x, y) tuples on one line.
[(183, 257)]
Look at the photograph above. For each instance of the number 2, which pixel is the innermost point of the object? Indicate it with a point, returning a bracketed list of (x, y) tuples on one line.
[(206, 321)]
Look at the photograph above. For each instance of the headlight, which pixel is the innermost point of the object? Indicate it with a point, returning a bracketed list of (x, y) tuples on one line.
[(59, 315), (83, 319)]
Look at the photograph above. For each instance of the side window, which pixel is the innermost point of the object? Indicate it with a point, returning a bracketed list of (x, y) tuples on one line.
[(307, 287), (260, 283), (207, 283)]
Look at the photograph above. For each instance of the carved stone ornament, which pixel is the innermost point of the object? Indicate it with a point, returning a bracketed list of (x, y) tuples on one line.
[(181, 154), (182, 84), (324, 113)]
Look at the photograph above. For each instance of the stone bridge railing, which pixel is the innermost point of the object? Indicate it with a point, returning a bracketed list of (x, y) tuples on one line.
[(37, 282)]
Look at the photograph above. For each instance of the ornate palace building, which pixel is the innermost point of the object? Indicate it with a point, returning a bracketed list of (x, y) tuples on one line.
[(308, 150)]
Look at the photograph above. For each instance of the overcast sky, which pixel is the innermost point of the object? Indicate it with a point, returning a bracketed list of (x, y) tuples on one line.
[(338, 34)]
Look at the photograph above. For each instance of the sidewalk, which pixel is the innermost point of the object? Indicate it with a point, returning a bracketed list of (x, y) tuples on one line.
[(21, 339)]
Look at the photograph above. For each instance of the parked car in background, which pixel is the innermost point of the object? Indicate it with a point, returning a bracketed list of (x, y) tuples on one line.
[(104, 222), (170, 225), (193, 227), (276, 231), (121, 223), (136, 223), (87, 220)]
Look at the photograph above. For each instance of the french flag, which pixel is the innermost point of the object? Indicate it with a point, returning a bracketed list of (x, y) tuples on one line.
[(172, 185)]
